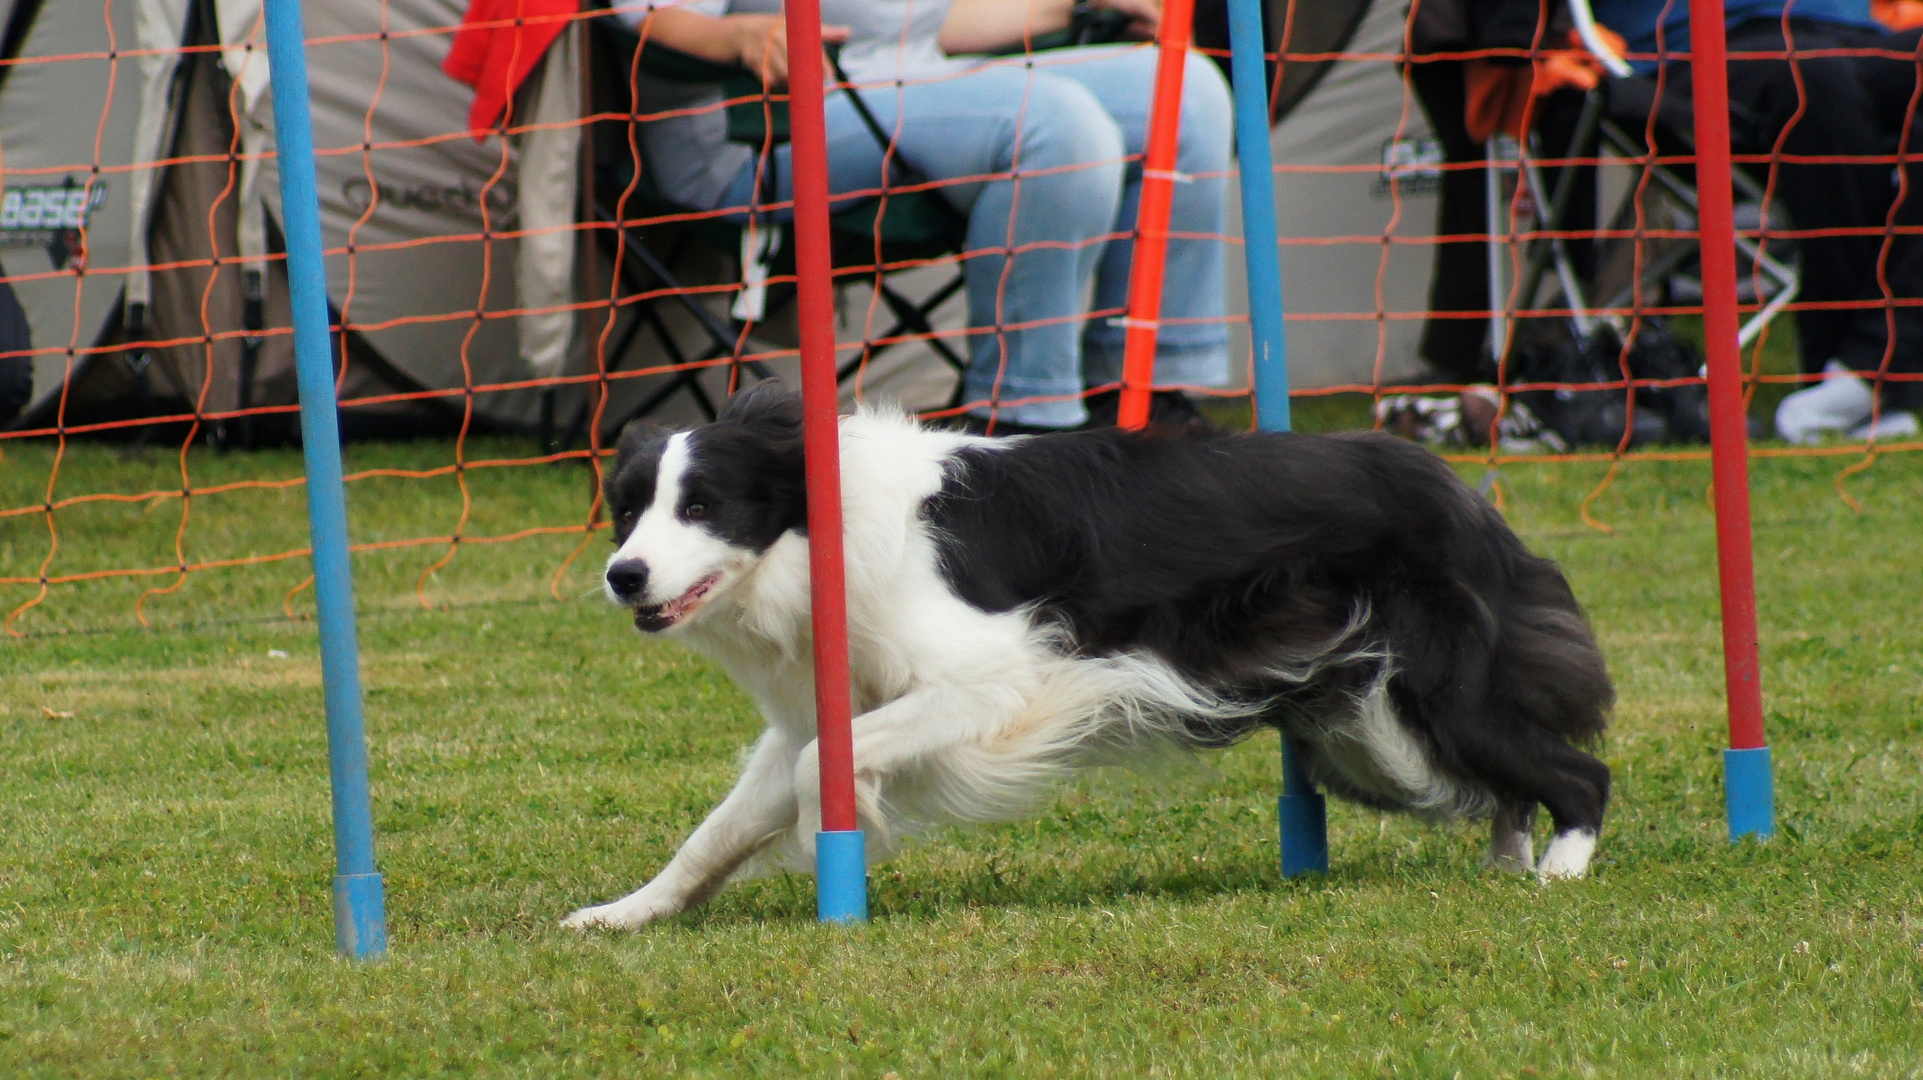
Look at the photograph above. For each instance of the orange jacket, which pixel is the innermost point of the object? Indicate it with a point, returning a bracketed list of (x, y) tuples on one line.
[(1500, 94)]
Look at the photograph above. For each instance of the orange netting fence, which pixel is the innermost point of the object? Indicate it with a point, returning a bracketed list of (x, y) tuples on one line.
[(551, 269)]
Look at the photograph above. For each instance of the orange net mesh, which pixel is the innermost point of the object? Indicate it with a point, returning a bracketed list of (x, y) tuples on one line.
[(658, 314)]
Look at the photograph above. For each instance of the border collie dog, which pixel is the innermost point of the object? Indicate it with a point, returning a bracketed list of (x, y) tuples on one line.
[(1021, 607)]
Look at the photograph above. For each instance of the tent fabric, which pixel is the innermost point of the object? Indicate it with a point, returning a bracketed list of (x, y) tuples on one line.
[(550, 182), (1359, 114), (390, 180), (160, 24), (66, 279), (191, 299)]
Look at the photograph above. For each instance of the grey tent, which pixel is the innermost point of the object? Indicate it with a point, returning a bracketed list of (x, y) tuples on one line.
[(132, 251)]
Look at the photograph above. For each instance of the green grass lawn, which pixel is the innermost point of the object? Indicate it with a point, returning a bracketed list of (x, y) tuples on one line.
[(165, 851)]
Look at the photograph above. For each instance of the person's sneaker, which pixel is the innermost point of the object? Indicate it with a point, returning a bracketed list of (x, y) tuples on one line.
[(1900, 424), (1840, 402), (1166, 408), (970, 424)]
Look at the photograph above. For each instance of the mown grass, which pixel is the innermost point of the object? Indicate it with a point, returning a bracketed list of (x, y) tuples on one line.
[(165, 850)]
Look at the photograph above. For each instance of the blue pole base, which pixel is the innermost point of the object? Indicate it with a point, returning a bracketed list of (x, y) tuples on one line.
[(1304, 819), (360, 916), (841, 876), (1749, 793)]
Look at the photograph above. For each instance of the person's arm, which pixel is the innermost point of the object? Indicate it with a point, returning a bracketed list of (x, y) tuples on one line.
[(986, 26), (756, 42)]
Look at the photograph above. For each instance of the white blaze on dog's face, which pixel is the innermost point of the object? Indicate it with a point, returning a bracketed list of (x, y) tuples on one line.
[(693, 511)]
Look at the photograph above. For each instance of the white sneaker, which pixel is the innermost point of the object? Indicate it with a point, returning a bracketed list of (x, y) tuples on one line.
[(1891, 425), (1840, 402)]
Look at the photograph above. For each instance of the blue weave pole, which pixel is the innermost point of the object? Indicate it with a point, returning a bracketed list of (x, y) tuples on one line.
[(1748, 793), (1261, 250), (360, 925), (1304, 818), (841, 876), (1300, 812)]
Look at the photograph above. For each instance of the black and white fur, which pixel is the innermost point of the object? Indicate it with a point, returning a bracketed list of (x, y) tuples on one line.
[(1021, 607)]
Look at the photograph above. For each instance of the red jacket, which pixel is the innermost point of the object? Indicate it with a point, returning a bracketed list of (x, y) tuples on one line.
[(494, 60)]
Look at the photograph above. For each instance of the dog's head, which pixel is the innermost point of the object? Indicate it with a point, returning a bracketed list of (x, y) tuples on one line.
[(694, 511)]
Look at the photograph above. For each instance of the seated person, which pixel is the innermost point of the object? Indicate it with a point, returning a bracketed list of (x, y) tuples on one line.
[(1832, 112), (1468, 102), (1038, 152), (1843, 401)]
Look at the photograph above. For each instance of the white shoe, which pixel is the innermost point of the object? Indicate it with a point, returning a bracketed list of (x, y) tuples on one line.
[(1840, 402), (1891, 425)]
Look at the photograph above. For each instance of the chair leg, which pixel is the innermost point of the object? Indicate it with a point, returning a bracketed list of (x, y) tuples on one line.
[(1583, 142), (913, 318), (578, 426), (679, 293), (721, 341), (687, 378)]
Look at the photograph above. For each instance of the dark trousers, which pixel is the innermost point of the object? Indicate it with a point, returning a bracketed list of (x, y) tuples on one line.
[(1840, 115), (1849, 106), (1459, 346)]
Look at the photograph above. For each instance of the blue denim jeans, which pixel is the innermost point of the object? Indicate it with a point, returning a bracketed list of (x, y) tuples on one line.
[(1061, 130)]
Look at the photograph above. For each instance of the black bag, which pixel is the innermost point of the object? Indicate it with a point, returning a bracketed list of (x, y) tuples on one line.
[(16, 371), (1583, 411)]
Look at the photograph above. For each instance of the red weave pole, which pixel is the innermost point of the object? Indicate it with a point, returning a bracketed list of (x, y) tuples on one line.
[(1729, 450), (1151, 228), (820, 423)]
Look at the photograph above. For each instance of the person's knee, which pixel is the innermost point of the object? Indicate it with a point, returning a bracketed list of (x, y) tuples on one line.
[(1064, 127)]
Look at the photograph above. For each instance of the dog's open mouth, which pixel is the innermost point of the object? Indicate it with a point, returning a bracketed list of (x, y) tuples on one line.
[(658, 617)]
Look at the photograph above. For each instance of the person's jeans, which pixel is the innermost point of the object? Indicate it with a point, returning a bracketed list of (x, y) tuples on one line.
[(1038, 238)]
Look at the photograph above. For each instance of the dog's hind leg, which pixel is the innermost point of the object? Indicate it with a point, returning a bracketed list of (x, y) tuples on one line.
[(760, 807), (1526, 765), (1576, 797), (1510, 848)]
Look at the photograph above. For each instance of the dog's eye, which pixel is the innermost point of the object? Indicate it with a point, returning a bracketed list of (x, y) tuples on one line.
[(696, 511)]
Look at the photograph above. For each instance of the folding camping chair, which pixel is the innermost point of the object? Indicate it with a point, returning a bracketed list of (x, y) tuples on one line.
[(1609, 114), (1622, 104), (1572, 334), (900, 227)]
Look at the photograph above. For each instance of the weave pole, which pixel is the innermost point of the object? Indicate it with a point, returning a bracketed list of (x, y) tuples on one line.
[(1151, 223), (1747, 786), (1301, 812), (360, 924), (841, 864)]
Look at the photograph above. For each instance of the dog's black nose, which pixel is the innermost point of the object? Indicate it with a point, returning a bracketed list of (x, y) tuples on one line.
[(628, 579)]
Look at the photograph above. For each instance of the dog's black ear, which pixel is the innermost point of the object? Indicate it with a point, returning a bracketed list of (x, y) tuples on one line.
[(638, 432), (635, 436), (768, 406)]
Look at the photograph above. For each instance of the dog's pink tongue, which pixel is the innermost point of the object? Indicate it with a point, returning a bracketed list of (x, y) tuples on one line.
[(674, 609), (653, 620)]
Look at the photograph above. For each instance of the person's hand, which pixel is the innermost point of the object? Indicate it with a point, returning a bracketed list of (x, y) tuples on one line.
[(761, 45), (1145, 16)]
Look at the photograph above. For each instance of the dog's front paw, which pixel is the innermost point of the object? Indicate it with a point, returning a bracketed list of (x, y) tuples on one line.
[(588, 918), (620, 915)]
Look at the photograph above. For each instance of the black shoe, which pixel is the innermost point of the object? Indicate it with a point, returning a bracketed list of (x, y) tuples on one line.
[(970, 424), (1166, 408)]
